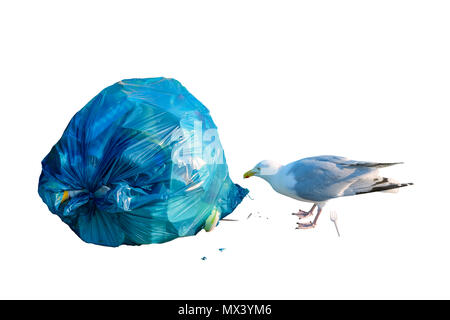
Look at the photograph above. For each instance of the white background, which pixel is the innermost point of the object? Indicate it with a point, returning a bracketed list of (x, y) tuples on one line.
[(283, 80)]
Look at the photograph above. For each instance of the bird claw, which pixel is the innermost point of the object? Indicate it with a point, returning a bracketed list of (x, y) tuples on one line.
[(305, 225), (302, 214)]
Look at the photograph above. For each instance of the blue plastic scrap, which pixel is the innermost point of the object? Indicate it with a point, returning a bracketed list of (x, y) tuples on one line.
[(140, 163)]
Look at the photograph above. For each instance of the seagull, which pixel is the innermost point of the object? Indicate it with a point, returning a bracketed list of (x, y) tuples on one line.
[(319, 179)]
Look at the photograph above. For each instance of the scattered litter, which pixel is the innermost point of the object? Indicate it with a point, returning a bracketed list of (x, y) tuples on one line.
[(258, 215), (204, 258), (221, 249), (334, 217)]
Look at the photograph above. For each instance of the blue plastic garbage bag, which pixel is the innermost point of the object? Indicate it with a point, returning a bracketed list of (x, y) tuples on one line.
[(140, 163)]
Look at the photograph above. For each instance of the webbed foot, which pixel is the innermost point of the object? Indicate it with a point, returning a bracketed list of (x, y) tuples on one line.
[(309, 225)]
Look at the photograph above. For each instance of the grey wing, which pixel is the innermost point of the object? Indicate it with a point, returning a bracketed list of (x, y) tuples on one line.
[(352, 163), (325, 177)]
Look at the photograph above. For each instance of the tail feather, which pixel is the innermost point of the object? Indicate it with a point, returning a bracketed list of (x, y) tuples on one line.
[(381, 184), (371, 182), (387, 188)]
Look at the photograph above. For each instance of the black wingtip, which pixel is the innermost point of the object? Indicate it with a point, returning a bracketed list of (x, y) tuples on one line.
[(388, 187), (374, 164)]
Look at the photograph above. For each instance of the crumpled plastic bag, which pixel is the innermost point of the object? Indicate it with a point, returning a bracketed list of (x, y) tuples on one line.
[(140, 163)]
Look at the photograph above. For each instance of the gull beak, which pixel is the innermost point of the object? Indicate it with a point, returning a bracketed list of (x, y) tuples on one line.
[(250, 173)]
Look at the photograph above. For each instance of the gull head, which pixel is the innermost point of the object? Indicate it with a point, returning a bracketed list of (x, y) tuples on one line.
[(263, 169)]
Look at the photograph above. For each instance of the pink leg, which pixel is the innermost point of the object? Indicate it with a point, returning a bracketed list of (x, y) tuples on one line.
[(304, 214), (311, 224)]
